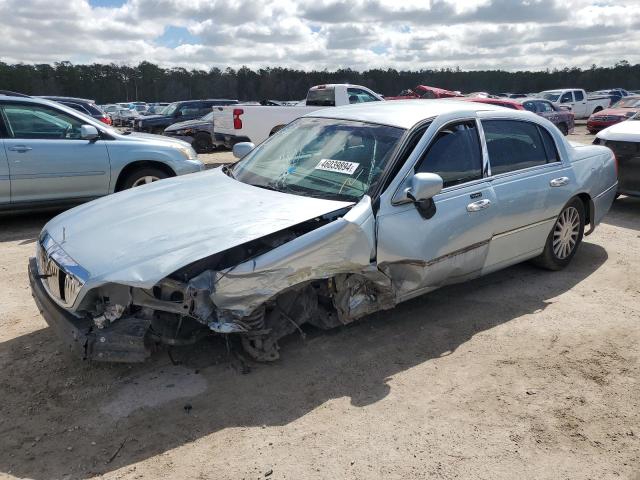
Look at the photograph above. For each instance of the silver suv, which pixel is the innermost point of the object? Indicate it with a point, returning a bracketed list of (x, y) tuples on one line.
[(52, 155)]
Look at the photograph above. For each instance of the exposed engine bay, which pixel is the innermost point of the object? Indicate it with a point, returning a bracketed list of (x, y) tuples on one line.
[(208, 297)]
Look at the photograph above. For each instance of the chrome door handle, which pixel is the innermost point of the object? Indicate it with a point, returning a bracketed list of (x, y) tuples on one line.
[(20, 148), (559, 182), (479, 205)]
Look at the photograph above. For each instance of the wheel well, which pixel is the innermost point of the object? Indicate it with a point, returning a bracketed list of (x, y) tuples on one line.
[(126, 171), (276, 129), (597, 109), (588, 209)]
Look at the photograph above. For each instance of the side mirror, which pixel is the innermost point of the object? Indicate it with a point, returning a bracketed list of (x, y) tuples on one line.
[(421, 190), (242, 149), (89, 132), (423, 186)]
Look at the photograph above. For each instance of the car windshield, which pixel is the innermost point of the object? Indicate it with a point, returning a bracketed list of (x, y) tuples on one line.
[(208, 117), (551, 96), (319, 157), (169, 109), (627, 102)]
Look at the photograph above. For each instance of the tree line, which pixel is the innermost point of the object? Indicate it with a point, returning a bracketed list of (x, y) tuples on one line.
[(106, 83)]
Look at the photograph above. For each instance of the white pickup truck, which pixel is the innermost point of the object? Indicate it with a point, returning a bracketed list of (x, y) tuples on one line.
[(582, 105), (255, 123)]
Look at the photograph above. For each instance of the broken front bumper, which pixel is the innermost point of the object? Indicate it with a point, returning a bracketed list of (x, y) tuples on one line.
[(121, 342)]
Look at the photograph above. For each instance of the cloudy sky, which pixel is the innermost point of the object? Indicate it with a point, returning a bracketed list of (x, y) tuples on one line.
[(317, 34)]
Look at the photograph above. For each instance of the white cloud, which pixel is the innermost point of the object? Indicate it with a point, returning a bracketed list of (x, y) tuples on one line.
[(318, 34)]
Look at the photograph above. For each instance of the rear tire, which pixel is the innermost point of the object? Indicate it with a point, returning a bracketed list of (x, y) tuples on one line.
[(565, 237), (598, 109), (143, 176)]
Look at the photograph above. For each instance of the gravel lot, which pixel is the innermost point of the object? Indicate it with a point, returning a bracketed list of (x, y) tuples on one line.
[(521, 374)]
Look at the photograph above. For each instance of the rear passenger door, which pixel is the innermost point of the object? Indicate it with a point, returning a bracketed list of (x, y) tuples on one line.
[(580, 104), (531, 185)]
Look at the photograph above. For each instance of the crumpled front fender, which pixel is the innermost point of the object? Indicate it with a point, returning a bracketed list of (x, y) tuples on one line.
[(346, 245)]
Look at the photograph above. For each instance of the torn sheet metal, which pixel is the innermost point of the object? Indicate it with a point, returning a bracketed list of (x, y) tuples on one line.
[(345, 245)]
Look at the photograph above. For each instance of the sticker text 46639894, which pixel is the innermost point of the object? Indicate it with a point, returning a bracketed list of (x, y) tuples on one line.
[(339, 166)]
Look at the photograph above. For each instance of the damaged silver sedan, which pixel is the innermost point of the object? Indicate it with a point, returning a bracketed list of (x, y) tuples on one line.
[(340, 214)]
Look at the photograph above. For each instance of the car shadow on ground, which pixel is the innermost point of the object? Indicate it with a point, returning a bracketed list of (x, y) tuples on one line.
[(24, 227), (624, 213), (80, 420)]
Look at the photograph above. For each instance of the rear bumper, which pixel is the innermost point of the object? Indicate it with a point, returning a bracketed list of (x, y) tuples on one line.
[(123, 341)]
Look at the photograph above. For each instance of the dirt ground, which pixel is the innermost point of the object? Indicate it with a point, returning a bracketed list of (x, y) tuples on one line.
[(522, 374)]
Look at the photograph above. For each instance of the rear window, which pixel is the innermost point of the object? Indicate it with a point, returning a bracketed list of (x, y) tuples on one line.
[(324, 97)]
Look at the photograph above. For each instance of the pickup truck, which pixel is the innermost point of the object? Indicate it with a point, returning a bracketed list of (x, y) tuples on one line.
[(255, 123), (582, 105)]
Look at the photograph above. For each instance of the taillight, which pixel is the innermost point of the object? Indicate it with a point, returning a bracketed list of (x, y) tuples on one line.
[(106, 120), (237, 121)]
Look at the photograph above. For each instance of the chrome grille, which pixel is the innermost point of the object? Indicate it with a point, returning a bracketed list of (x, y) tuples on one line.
[(60, 275)]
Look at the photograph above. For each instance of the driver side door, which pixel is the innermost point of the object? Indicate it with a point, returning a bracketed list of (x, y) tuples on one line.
[(47, 158), (421, 254)]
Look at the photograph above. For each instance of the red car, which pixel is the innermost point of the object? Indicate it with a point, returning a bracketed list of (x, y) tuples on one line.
[(623, 109), (423, 91), (563, 119)]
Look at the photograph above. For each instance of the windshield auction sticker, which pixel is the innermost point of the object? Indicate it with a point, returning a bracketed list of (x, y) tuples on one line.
[(339, 166)]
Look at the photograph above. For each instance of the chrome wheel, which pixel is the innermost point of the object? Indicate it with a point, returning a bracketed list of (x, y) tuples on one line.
[(144, 180), (566, 232)]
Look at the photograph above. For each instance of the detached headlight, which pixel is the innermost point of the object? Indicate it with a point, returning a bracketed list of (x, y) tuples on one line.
[(188, 152)]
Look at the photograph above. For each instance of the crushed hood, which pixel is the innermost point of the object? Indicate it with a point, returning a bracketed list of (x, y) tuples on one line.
[(188, 123), (139, 236)]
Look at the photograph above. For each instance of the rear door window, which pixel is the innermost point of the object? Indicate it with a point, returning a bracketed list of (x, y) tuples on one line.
[(566, 98), (516, 145), (579, 95), (454, 154), (531, 106)]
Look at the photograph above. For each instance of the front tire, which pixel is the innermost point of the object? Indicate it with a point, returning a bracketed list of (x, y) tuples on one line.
[(202, 143), (565, 237), (143, 176)]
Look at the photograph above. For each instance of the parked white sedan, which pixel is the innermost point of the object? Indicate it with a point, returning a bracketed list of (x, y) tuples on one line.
[(342, 213)]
